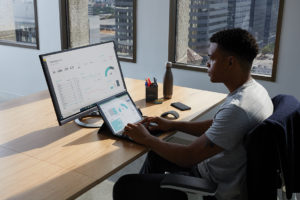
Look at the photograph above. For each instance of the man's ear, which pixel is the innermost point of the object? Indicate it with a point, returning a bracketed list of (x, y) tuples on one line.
[(229, 62)]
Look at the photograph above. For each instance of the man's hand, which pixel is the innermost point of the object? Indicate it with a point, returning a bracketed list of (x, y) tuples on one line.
[(161, 124), (138, 133)]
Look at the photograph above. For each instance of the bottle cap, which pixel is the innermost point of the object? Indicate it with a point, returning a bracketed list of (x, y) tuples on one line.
[(169, 64)]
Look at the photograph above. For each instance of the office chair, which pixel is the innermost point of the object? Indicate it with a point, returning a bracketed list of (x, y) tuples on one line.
[(273, 157), (194, 187)]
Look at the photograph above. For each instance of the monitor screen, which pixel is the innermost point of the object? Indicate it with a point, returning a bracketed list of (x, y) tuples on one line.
[(118, 112), (79, 78)]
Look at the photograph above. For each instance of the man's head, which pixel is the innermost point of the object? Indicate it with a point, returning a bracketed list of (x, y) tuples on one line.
[(231, 50)]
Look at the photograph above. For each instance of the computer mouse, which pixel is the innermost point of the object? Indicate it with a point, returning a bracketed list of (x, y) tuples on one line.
[(172, 113)]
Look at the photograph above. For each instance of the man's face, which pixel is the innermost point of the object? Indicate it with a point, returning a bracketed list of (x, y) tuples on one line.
[(215, 64)]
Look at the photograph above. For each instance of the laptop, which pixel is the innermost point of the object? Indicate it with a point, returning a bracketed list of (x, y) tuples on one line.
[(117, 112)]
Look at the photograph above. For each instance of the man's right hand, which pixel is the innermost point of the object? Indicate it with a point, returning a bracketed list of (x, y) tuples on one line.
[(161, 124)]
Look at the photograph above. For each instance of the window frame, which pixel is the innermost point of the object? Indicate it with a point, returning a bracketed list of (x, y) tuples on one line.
[(65, 40), (16, 44), (172, 44)]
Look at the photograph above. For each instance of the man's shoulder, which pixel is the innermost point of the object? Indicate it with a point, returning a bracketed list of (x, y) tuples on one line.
[(253, 99)]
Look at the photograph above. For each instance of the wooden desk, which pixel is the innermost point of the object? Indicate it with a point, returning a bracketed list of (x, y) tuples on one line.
[(41, 160)]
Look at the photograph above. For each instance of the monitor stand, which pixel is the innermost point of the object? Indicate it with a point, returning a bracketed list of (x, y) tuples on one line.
[(92, 120)]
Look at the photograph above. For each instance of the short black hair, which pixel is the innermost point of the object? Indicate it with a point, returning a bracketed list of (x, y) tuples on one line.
[(237, 41)]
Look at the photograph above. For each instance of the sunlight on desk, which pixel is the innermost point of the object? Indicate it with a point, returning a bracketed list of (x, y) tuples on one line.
[(40, 159)]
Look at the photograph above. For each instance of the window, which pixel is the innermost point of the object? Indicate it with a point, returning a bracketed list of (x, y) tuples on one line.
[(93, 21), (18, 23), (193, 22)]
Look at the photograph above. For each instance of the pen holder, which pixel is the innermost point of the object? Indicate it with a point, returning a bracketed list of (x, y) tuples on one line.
[(151, 92)]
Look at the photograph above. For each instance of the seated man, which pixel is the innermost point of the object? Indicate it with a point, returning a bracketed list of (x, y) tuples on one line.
[(217, 154)]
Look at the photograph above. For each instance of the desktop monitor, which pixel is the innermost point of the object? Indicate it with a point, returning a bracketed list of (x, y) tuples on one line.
[(79, 78)]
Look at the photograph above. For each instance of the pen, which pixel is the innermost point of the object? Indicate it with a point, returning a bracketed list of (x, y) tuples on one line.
[(149, 82), (155, 81)]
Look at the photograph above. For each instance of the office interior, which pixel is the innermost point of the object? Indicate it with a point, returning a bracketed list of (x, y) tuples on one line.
[(21, 72)]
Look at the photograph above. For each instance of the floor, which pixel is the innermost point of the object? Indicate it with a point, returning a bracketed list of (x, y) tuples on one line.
[(103, 190)]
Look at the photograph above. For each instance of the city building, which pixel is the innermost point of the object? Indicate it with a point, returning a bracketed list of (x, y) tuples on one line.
[(112, 20), (25, 22), (124, 27), (271, 19), (263, 20), (206, 18), (90, 8), (239, 13)]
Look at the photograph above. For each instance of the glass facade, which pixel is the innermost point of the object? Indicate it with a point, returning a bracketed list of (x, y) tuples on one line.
[(124, 27), (208, 17), (18, 24), (107, 20)]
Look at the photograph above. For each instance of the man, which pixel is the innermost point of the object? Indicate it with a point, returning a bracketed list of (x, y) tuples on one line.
[(217, 154)]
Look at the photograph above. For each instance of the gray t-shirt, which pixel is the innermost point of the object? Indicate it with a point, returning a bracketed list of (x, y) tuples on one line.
[(242, 110)]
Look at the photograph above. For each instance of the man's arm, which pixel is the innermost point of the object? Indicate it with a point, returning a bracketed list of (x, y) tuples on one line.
[(182, 155), (193, 128)]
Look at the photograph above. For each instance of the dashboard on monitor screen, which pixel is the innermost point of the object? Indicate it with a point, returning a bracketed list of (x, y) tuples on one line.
[(79, 78)]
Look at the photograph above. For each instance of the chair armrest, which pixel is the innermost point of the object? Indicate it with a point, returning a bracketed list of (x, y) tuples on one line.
[(188, 184)]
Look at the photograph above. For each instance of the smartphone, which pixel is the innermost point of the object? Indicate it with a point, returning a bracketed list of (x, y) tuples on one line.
[(180, 106)]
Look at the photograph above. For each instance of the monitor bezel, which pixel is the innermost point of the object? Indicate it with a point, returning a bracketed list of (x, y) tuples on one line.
[(62, 121)]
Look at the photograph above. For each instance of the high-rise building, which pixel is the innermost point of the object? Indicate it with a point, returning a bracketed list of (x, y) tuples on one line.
[(271, 21), (90, 9), (239, 13), (257, 20), (263, 20), (25, 22), (124, 26), (206, 18)]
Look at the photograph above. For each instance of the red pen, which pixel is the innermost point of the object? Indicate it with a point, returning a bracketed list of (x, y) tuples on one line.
[(149, 82)]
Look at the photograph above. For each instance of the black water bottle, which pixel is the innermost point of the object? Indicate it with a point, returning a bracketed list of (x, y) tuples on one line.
[(168, 82)]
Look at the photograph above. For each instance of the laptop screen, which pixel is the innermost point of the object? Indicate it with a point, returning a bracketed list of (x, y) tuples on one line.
[(118, 112)]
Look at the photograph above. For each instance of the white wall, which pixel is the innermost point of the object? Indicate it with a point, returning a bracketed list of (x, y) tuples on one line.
[(152, 40), (288, 71), (21, 72), (20, 69)]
